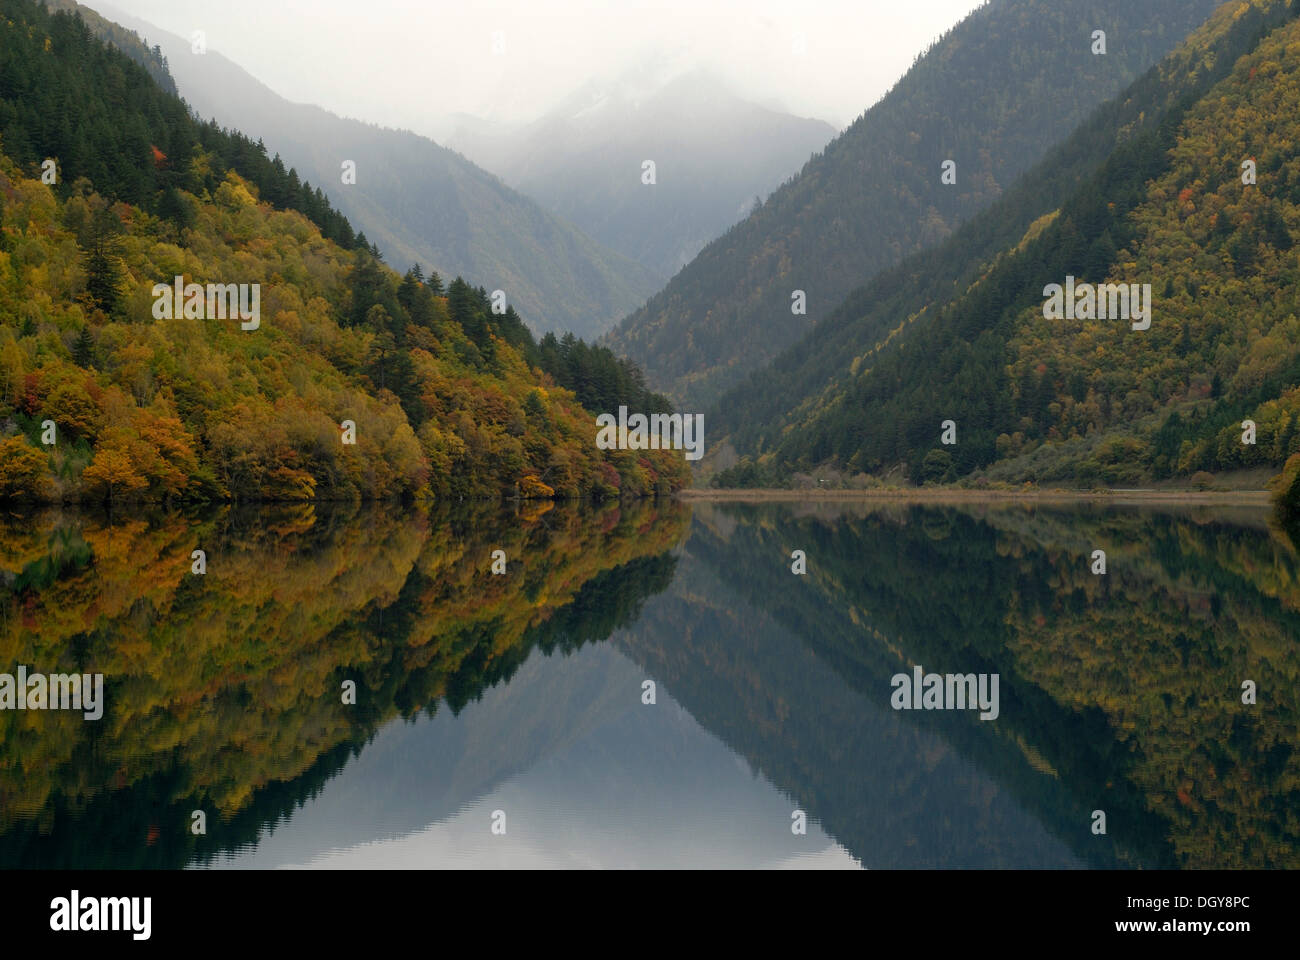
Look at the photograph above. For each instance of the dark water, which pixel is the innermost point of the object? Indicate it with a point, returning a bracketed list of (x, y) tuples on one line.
[(517, 699)]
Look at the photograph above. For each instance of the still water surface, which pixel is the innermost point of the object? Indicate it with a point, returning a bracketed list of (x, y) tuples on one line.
[(518, 699)]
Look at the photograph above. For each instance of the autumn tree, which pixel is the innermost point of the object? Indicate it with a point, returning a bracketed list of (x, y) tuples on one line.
[(24, 473), (111, 475)]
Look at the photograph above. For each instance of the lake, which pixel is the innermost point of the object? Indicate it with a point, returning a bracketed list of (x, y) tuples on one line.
[(651, 685)]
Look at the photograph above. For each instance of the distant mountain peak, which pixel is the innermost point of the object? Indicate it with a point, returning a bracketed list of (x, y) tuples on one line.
[(714, 152)]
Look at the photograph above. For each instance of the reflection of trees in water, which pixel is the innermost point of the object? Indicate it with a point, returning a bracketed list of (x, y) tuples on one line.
[(1123, 688), (1119, 692), (223, 691)]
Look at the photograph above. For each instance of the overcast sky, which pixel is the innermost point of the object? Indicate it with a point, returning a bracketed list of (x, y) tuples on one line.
[(407, 63)]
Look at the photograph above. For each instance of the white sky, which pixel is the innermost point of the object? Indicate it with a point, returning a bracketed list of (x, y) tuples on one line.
[(406, 62)]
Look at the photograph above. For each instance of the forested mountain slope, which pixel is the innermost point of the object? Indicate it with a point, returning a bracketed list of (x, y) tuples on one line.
[(993, 95), (1088, 400), (105, 396), (420, 202), (128, 41)]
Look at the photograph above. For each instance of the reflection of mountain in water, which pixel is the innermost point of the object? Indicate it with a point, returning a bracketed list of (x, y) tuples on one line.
[(1118, 693), (894, 793), (586, 773)]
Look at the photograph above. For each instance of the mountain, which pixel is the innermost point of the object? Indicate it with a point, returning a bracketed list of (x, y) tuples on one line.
[(714, 154), (993, 95), (110, 390), (420, 202), (1195, 202)]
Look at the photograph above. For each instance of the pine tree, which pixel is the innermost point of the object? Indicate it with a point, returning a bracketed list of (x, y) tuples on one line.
[(368, 287), (462, 304), (83, 350), (408, 289), (103, 265)]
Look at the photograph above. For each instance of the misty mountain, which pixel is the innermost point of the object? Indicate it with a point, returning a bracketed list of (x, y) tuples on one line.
[(992, 95), (1149, 193), (420, 202), (713, 151)]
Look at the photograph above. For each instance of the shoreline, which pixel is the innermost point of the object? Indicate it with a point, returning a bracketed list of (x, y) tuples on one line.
[(1245, 498)]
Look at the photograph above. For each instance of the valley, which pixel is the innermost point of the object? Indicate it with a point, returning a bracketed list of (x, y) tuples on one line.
[(357, 509)]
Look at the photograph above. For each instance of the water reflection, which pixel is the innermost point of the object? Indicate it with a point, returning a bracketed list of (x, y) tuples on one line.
[(1120, 693), (523, 693)]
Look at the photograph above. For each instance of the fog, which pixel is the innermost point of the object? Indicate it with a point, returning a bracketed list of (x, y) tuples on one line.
[(414, 64)]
